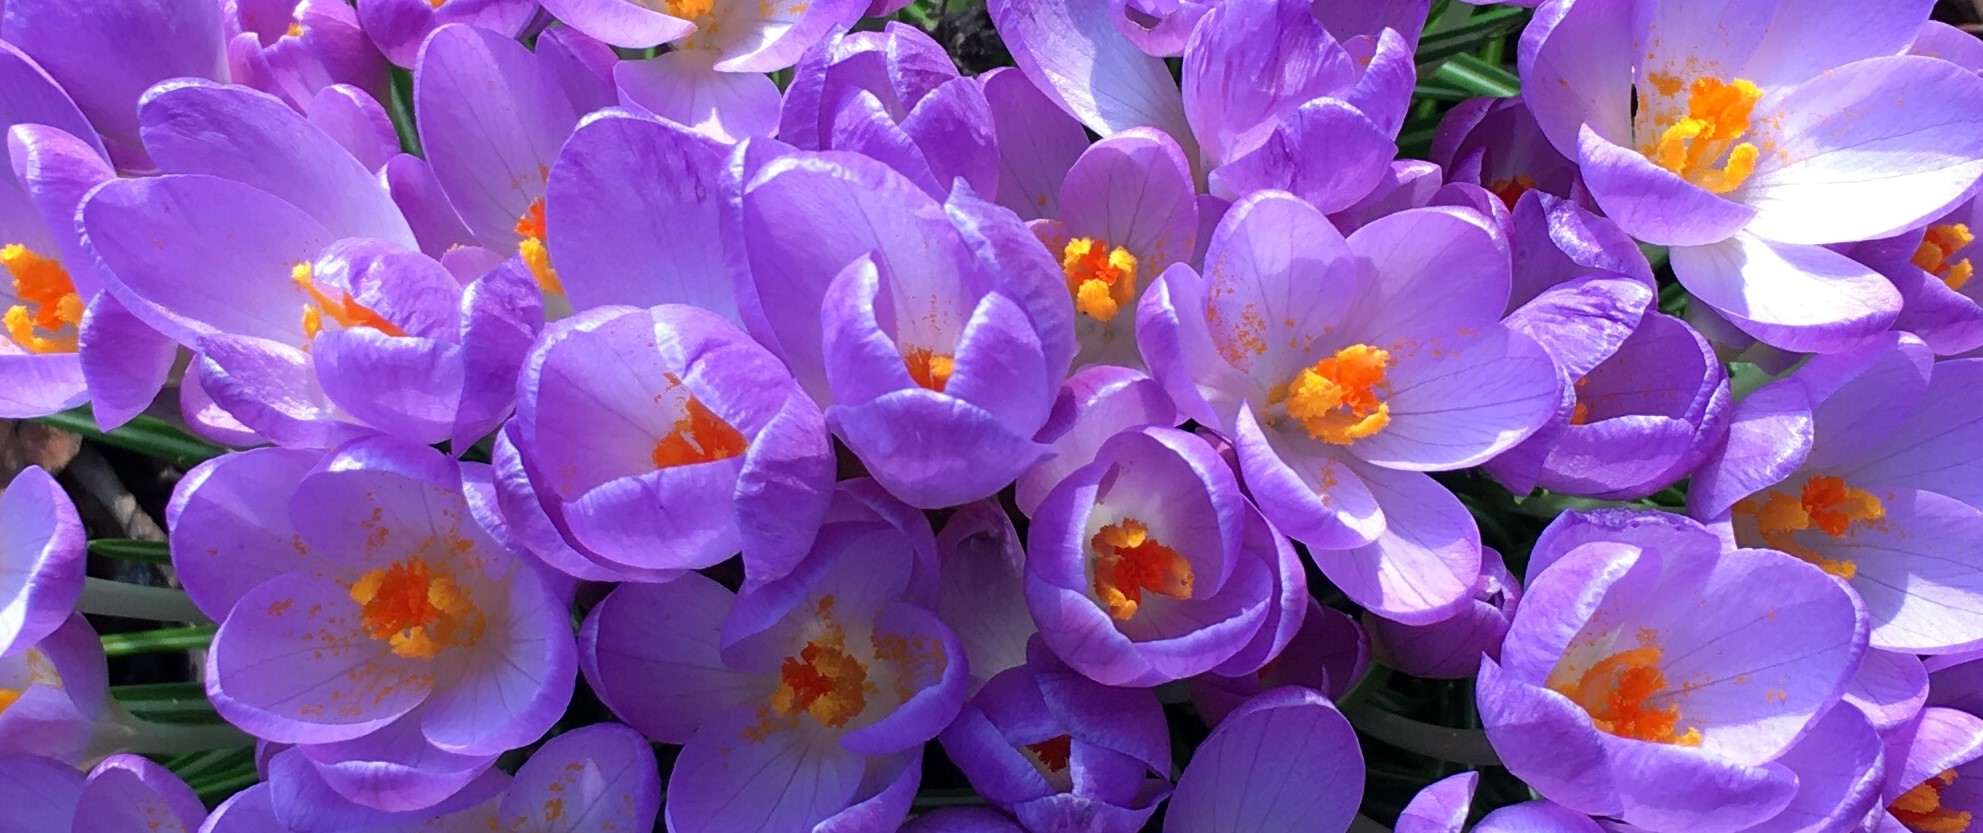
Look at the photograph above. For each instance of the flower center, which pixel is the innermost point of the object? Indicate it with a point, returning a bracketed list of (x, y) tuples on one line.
[(1510, 190), (343, 309), (690, 9), (1824, 503), (1717, 116), (49, 304), (822, 679), (1938, 245), (700, 436), (415, 610), (1102, 279), (1128, 562), (531, 248), (1340, 399), (1921, 810), (1052, 754), (1615, 692), (930, 369), (1581, 414)]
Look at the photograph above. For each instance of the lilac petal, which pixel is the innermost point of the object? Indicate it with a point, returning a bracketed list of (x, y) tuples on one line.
[(1423, 285), (1769, 436), (1838, 771), (1652, 203), (269, 146), (41, 793), (272, 389), (932, 450), (981, 596), (1072, 53), (1460, 396), (405, 386), (32, 98), (1556, 240), (784, 489), (582, 66), (1584, 322), (651, 653), (230, 529), (1934, 450), (207, 419), (1915, 572), (126, 792), (620, 23), (682, 87), (41, 560), (1037, 143), (1536, 817), (358, 122), (1425, 562), (602, 777), (1008, 256), (411, 182), (1384, 92), (1285, 761), (935, 669), (1359, 155), (654, 243), (726, 781), (1134, 190), (516, 684), (503, 314), (125, 362), (249, 811), (1441, 807), (862, 125), (1889, 688), (392, 770), (1576, 67), (953, 127), (1797, 297), (1247, 67), (1095, 404), (962, 820), (1312, 494)]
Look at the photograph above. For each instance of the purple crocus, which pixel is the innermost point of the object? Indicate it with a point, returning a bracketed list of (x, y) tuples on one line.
[(55, 695), (1050, 746), (1495, 143), (1644, 679), (1037, 143), (1096, 403), (1451, 649), (804, 703), (665, 440), (1329, 653), (398, 645), (122, 794), (1747, 139), (1148, 565), (1858, 463), (1345, 369), (1932, 267), (399, 27), (1442, 808), (937, 334), (295, 50), (1287, 760), (1933, 769), (41, 559), (981, 570)]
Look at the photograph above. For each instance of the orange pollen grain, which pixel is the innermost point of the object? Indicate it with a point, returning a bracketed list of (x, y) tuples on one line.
[(1920, 809), (530, 227), (343, 309), (1340, 399), (45, 319), (1717, 116), (295, 29), (1102, 279), (1053, 752), (1824, 503), (1616, 692), (1128, 562), (929, 368), (8, 696), (824, 681), (700, 436), (1510, 190), (1581, 414), (690, 9), (1940, 243), (415, 610)]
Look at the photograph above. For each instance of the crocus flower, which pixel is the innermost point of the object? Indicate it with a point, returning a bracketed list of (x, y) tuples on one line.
[(597, 779), (1096, 403), (1074, 53), (1148, 565), (1287, 760), (1343, 370), (1723, 132), (1329, 653), (56, 695), (1856, 463), (1644, 679), (664, 440), (393, 640), (1932, 773), (106, 53), (41, 559), (981, 568), (803, 703), (1890, 689), (1051, 746), (895, 96), (294, 50), (399, 27), (1037, 143), (936, 333), (1451, 649), (1932, 267), (122, 794), (1495, 143)]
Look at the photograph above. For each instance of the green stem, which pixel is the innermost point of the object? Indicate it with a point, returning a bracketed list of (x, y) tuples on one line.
[(131, 601), (1465, 746), (149, 436), (189, 638), (1478, 77), (132, 549)]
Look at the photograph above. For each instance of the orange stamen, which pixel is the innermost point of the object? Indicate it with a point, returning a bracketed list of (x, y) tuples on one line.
[(930, 369), (531, 248), (700, 436), (1052, 753), (50, 310), (1717, 116), (1340, 399), (1940, 243), (1102, 279), (414, 609), (1824, 503), (1128, 562), (1616, 692), (1510, 190), (1920, 809), (343, 309), (823, 681)]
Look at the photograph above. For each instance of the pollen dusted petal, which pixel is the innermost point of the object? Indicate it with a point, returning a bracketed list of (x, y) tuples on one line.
[(1339, 400), (1128, 562), (1102, 279), (49, 304), (700, 436), (418, 612), (1615, 692), (1825, 503)]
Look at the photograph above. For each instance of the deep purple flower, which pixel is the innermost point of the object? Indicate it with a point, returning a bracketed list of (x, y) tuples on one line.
[(1644, 679), (665, 440), (1859, 463), (1343, 370), (1051, 746), (804, 703), (1451, 649), (1933, 770), (1495, 143), (367, 617), (1149, 565), (1287, 760), (1746, 140), (1329, 653)]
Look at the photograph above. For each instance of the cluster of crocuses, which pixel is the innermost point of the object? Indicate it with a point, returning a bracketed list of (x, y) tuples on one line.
[(717, 352)]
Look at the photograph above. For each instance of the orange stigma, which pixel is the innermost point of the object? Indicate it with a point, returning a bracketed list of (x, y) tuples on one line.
[(1920, 809), (531, 248), (1339, 400), (344, 310), (49, 304), (1102, 279), (1510, 190), (1940, 243), (1824, 503), (1052, 754), (929, 369), (1717, 116), (700, 436), (1128, 562), (1615, 692), (1581, 414), (822, 680), (415, 610)]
